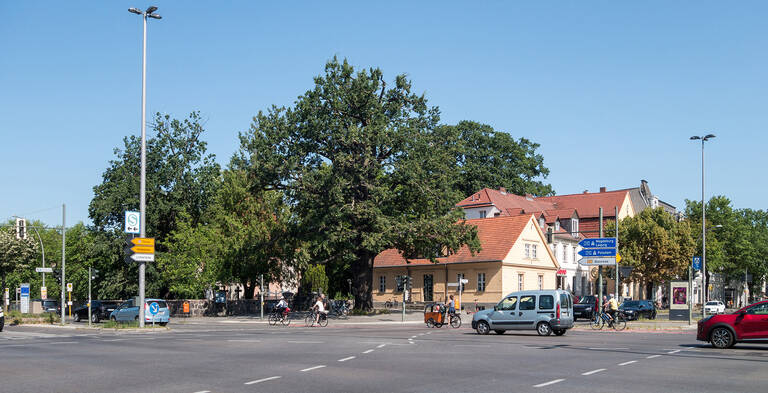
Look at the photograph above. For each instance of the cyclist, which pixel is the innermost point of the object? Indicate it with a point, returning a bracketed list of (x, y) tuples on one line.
[(282, 308), (319, 307), (611, 306)]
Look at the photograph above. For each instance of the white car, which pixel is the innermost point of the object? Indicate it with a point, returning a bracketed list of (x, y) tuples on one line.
[(714, 307)]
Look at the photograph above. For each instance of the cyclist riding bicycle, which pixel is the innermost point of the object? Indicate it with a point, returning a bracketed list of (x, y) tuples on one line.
[(282, 308), (319, 307), (611, 307)]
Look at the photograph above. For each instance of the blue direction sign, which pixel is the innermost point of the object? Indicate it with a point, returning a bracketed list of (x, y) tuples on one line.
[(696, 263), (599, 242), (598, 252), (154, 308)]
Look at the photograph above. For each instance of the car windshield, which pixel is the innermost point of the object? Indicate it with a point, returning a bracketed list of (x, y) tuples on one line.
[(631, 303), (160, 303), (587, 300), (49, 303), (711, 303)]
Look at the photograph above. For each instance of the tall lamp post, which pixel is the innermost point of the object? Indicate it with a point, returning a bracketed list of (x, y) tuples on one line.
[(703, 226), (149, 13)]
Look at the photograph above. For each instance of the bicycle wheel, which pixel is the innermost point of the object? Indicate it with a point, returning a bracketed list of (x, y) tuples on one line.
[(620, 323), (323, 321), (455, 321), (272, 319), (309, 320), (286, 321), (596, 323)]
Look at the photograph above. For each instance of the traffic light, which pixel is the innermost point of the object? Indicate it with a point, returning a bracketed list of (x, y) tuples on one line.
[(550, 235), (94, 274), (57, 275), (409, 281), (21, 229)]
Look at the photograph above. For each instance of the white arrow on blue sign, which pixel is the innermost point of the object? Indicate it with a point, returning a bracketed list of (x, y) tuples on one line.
[(598, 252), (154, 308), (696, 263), (599, 242)]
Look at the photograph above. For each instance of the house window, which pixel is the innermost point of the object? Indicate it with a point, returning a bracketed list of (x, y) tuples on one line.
[(520, 282), (533, 251), (574, 254), (541, 282), (541, 222), (557, 225), (480, 282), (527, 250), (574, 226), (483, 213), (459, 277), (382, 283)]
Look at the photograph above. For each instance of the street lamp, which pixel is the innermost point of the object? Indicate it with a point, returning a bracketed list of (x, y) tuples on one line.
[(142, 197), (703, 226)]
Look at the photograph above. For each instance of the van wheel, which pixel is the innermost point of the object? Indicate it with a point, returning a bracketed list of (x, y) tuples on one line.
[(543, 329), (559, 332), (483, 328), (721, 338), (499, 332), (77, 317), (95, 318), (113, 319)]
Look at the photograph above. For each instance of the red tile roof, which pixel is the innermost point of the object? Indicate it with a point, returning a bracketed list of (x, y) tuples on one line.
[(497, 236), (588, 204)]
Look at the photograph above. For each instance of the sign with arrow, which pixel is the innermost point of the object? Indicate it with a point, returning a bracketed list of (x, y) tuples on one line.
[(598, 252), (597, 261), (599, 242), (139, 249), (696, 263)]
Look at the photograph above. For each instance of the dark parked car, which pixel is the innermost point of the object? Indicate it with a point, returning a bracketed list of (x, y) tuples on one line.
[(99, 310), (50, 306), (2, 320), (749, 324), (635, 309), (585, 308)]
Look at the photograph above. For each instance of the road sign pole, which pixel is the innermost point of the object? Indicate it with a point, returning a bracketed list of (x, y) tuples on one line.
[(616, 217), (690, 297), (89, 296), (261, 295), (63, 257), (600, 268)]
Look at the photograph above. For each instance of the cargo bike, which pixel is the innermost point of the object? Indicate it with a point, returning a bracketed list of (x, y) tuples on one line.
[(436, 315)]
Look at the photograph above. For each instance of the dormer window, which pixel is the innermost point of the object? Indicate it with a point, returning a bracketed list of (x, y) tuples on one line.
[(541, 222), (575, 227), (483, 213), (557, 225)]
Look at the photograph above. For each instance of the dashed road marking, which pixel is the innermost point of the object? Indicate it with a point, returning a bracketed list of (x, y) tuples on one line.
[(313, 368), (652, 356), (368, 351), (63, 342), (204, 391), (347, 358), (264, 379), (549, 383), (629, 362), (305, 342), (115, 339), (593, 371), (414, 336), (675, 351), (608, 349), (380, 345), (240, 341)]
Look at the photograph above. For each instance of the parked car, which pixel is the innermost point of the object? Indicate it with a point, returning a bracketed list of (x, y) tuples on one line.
[(714, 307), (585, 308), (129, 311), (547, 312), (2, 319), (635, 309), (99, 310), (748, 324), (49, 305)]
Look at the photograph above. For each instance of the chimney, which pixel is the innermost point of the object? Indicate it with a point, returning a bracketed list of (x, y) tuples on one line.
[(602, 189), (529, 197), (503, 190), (585, 191)]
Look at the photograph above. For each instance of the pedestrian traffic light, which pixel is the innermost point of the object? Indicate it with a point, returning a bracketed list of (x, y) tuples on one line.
[(409, 281), (57, 275), (21, 229)]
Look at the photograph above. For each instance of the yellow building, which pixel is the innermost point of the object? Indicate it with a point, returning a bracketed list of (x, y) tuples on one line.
[(514, 256)]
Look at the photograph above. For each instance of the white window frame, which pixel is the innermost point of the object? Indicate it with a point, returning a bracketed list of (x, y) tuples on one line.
[(483, 214), (481, 282), (382, 283), (541, 282), (520, 281), (574, 226), (533, 251), (527, 250)]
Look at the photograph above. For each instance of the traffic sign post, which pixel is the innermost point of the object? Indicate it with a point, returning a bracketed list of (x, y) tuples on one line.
[(598, 252), (24, 298), (139, 249), (600, 242), (154, 308), (132, 222), (696, 263)]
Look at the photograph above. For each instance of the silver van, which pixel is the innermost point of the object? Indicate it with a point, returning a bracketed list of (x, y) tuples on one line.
[(546, 311)]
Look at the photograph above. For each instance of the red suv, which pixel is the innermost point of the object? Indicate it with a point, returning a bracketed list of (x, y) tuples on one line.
[(750, 324)]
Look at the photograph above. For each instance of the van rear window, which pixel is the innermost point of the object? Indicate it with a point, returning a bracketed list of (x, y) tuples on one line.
[(565, 300), (546, 302)]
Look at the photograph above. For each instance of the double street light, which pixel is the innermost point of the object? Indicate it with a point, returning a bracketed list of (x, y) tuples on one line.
[(149, 13), (704, 297)]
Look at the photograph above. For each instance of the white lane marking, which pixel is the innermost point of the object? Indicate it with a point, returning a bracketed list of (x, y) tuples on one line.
[(238, 341), (429, 332), (13, 345), (414, 336), (380, 345), (62, 342), (549, 383), (609, 349), (629, 362), (264, 380), (675, 351), (471, 345), (421, 334), (204, 391), (652, 356), (348, 358), (115, 339), (305, 342), (312, 368), (593, 371), (368, 351)]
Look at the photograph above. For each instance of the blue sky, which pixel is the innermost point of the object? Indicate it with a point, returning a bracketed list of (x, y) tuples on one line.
[(611, 90)]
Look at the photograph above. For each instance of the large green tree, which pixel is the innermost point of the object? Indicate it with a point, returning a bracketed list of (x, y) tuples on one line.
[(17, 256), (359, 160), (657, 246)]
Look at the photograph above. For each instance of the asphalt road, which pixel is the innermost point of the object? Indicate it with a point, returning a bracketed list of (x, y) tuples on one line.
[(247, 356)]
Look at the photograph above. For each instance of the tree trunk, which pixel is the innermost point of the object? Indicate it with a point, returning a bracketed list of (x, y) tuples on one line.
[(249, 290), (362, 272)]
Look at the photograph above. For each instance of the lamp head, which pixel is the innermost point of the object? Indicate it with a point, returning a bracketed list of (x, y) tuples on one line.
[(134, 11), (151, 9), (709, 136), (693, 138), (155, 16)]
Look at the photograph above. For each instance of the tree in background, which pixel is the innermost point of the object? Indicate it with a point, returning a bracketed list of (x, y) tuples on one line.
[(341, 154), (315, 279), (17, 256), (658, 247)]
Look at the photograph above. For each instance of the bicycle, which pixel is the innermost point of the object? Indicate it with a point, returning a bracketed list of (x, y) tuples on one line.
[(277, 316), (455, 320), (309, 321), (618, 323), (390, 303), (340, 308)]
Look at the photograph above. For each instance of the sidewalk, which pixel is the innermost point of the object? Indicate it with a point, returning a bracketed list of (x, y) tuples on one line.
[(394, 318), (648, 326)]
